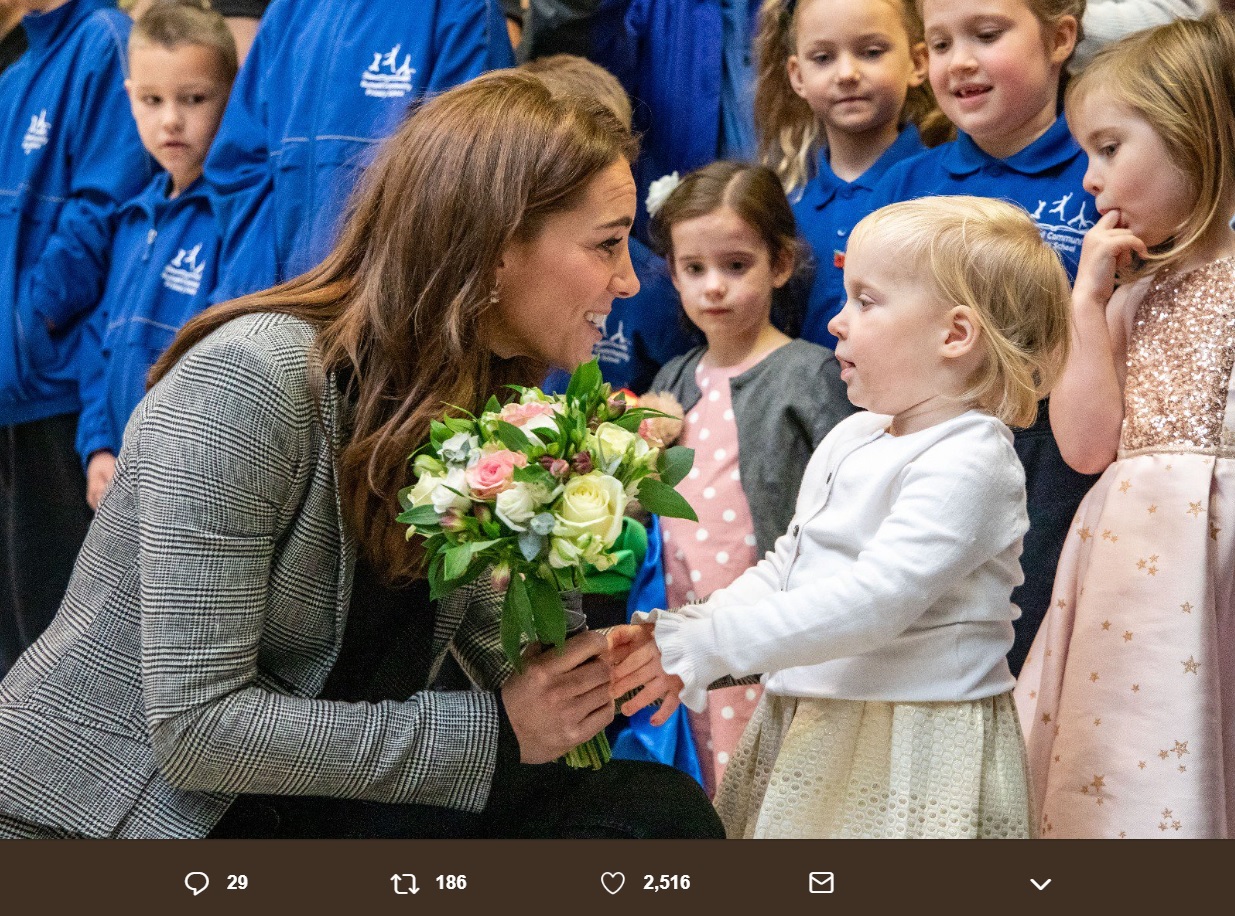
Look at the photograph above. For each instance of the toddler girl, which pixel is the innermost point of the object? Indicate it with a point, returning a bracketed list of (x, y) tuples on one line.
[(882, 616), (757, 403), (1127, 696), (840, 95), (996, 68)]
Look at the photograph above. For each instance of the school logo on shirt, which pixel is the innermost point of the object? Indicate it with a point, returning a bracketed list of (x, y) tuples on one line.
[(613, 348), (385, 79), (37, 133), (1061, 231), (183, 273)]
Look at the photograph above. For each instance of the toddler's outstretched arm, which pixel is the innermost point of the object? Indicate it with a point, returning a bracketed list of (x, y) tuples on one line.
[(636, 664), (1087, 404)]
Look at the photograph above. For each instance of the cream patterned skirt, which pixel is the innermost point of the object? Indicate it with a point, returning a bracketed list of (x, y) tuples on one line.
[(818, 769)]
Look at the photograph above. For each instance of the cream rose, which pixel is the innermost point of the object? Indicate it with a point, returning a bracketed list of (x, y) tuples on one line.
[(590, 505), (444, 498), (615, 445)]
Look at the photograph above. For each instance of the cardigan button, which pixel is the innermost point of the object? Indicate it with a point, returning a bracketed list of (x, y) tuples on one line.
[(796, 529)]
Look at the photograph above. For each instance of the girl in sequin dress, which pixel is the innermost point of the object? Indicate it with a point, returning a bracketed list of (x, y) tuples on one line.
[(1128, 696)]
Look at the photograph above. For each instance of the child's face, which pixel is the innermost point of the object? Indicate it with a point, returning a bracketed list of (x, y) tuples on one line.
[(854, 64), (995, 69), (892, 335), (1130, 169), (178, 96), (726, 275)]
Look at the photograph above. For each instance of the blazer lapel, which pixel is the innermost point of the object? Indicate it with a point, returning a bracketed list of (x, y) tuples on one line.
[(335, 420)]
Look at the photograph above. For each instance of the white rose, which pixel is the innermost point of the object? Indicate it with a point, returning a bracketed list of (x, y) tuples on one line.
[(591, 505), (544, 421), (443, 497), (516, 506)]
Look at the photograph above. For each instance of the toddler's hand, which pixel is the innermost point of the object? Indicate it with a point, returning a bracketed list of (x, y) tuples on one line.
[(636, 664), (1106, 250)]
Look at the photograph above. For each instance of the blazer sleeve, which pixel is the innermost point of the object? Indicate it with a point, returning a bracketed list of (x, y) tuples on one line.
[(477, 643), (222, 460)]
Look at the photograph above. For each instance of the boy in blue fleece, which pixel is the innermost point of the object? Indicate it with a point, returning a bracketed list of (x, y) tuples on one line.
[(182, 60), (324, 83), (69, 156)]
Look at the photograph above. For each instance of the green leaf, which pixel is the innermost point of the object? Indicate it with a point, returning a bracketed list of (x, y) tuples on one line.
[(437, 582), (456, 425), (421, 515), (674, 464), (457, 561), (662, 499), (584, 382), (547, 611), (630, 420), (492, 405), (534, 473), (512, 628), (512, 437), (438, 433)]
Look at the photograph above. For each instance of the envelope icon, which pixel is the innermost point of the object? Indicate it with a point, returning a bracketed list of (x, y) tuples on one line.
[(822, 882)]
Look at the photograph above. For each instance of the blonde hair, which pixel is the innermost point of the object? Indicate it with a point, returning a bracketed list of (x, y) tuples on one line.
[(1180, 78), (172, 23), (987, 255), (789, 134), (568, 74)]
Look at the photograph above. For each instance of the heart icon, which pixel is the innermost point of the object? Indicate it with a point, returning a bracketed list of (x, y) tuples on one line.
[(612, 881)]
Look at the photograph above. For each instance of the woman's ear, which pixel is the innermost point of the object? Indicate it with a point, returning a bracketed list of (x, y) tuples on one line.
[(962, 334)]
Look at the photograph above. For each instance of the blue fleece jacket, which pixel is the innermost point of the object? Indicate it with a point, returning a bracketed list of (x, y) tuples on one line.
[(163, 265), (69, 157), (325, 82)]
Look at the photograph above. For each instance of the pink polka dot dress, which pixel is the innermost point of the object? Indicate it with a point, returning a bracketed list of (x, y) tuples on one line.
[(701, 558)]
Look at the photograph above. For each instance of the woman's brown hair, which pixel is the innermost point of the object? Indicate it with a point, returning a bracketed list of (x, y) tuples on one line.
[(400, 302)]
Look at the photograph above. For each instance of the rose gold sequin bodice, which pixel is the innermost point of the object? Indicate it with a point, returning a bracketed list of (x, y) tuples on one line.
[(1179, 363)]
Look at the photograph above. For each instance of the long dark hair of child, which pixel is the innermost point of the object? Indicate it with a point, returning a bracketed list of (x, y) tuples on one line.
[(789, 134), (755, 194)]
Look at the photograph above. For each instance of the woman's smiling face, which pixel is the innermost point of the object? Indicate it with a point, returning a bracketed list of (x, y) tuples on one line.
[(555, 289)]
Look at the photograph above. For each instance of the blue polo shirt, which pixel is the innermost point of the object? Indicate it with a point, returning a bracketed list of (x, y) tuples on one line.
[(827, 210), (1045, 178)]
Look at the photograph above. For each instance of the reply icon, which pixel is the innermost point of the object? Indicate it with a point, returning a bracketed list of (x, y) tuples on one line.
[(197, 881)]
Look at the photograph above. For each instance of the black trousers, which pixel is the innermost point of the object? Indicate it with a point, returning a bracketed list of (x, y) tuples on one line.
[(1054, 492), (625, 799), (43, 521)]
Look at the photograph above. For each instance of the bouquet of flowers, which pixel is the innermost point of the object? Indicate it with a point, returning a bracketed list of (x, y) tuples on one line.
[(533, 493)]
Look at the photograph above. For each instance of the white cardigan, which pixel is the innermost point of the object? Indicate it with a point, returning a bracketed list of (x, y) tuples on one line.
[(893, 582)]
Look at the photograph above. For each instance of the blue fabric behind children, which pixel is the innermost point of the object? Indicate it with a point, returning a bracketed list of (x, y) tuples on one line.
[(70, 156), (324, 83), (827, 210), (671, 743), (163, 270)]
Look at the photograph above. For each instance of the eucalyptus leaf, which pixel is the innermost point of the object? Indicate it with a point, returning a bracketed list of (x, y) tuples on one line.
[(530, 545), (542, 523)]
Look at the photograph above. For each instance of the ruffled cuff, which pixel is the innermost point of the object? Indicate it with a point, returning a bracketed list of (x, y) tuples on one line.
[(686, 649)]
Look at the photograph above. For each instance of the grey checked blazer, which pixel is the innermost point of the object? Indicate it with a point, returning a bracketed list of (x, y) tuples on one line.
[(204, 614)]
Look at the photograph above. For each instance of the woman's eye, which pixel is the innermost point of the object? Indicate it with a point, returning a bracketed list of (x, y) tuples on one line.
[(610, 246)]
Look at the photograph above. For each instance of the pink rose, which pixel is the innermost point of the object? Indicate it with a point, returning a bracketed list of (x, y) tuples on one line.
[(519, 414), (494, 473)]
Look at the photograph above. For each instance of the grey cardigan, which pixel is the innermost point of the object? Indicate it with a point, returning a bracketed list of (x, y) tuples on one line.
[(207, 608), (783, 407)]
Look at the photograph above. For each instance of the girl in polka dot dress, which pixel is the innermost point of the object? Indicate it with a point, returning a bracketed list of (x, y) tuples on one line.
[(757, 402), (883, 615)]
